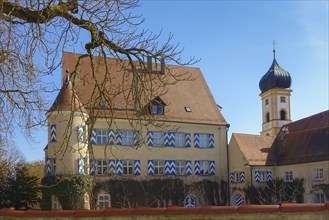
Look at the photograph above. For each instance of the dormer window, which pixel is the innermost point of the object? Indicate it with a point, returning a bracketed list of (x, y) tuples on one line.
[(157, 109)]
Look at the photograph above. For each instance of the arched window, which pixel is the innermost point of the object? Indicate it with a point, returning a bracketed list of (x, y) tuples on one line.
[(267, 117), (283, 115), (190, 202)]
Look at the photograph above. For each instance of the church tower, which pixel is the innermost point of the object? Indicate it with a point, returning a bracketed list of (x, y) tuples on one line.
[(275, 95)]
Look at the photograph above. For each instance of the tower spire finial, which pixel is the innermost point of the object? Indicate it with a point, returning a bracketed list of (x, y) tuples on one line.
[(274, 48)]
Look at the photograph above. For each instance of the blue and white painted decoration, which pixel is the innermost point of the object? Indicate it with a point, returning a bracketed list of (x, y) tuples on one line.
[(231, 178), (170, 167), (150, 167), (136, 138), (189, 202), (269, 176), (92, 165), (119, 138), (169, 139), (212, 168), (80, 133), (53, 133), (48, 167), (196, 140), (188, 168), (211, 143), (257, 176), (119, 167), (242, 176), (197, 167), (150, 138), (81, 166), (239, 200), (93, 136), (111, 137), (188, 139), (112, 167), (137, 166)]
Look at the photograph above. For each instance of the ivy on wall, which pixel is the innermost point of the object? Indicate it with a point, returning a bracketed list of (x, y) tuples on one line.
[(69, 189)]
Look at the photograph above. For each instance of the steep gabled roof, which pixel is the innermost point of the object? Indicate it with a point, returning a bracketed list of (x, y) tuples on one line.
[(255, 148), (307, 140), (118, 85)]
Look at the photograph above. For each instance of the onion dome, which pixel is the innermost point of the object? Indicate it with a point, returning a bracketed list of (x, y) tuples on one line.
[(276, 77)]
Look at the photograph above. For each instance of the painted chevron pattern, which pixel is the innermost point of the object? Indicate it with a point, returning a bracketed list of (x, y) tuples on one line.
[(269, 176), (119, 167), (242, 177), (211, 141), (48, 167), (257, 176), (188, 140), (197, 168), (150, 168), (188, 168), (231, 177), (196, 140), (136, 138), (212, 168), (92, 167), (53, 133), (170, 167), (119, 138), (169, 139), (239, 200), (112, 167), (80, 133), (81, 165), (93, 136), (150, 138), (189, 202), (137, 166), (111, 137)]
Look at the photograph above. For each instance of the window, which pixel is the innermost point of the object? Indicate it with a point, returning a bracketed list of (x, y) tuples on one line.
[(262, 176), (267, 117), (180, 167), (157, 109), (128, 167), (283, 115), (318, 174), (204, 167), (157, 138), (51, 166), (101, 167), (179, 139), (103, 201), (266, 101), (127, 138), (101, 136), (282, 99), (237, 177), (319, 198), (158, 167), (204, 140), (288, 176)]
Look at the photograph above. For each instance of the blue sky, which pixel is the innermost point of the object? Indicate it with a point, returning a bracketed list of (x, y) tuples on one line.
[(234, 41)]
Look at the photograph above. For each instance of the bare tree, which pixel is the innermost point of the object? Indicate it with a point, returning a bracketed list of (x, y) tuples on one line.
[(34, 33)]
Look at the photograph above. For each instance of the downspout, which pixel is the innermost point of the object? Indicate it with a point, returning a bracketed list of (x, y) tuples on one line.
[(228, 167)]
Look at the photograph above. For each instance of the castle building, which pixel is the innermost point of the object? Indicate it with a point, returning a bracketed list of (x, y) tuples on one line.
[(168, 147), (289, 156)]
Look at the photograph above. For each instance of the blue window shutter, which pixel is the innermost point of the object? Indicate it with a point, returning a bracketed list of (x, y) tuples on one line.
[(150, 138), (137, 167), (197, 167), (188, 168), (48, 167), (212, 168), (257, 176), (136, 138), (242, 177), (239, 200), (150, 167), (93, 136), (188, 139), (168, 136), (196, 140), (111, 137), (170, 167), (53, 133), (112, 167), (81, 163), (92, 167), (80, 133), (231, 177), (119, 167), (269, 176), (211, 141), (119, 137), (171, 139)]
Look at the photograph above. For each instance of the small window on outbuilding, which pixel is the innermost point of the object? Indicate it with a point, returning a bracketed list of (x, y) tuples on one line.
[(156, 107), (188, 109)]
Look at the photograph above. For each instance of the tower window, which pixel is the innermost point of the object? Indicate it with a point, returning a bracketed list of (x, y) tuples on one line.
[(266, 101), (267, 117), (282, 99), (283, 115)]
